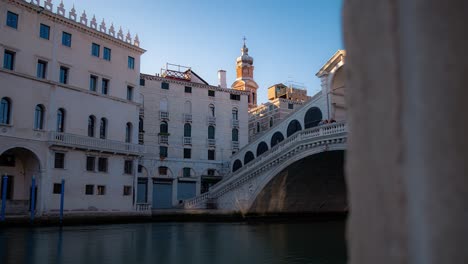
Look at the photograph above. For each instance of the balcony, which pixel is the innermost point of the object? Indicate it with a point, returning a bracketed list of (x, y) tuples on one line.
[(163, 139), (187, 118), (211, 143), (235, 145), (163, 115), (187, 141), (91, 143), (235, 123), (211, 120)]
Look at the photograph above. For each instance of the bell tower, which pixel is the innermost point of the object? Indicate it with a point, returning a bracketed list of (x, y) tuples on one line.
[(245, 76)]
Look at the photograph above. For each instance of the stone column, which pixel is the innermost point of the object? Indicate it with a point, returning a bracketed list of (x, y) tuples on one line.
[(407, 159)]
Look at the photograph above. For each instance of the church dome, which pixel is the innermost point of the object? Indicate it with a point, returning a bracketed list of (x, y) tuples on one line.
[(245, 58)]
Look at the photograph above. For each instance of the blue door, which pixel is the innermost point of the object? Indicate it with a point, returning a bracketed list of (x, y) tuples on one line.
[(142, 191), (186, 190), (162, 195)]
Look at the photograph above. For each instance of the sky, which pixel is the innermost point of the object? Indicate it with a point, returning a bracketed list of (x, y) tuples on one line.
[(290, 40)]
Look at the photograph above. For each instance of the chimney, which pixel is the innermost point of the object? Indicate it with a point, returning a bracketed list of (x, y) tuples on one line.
[(222, 79)]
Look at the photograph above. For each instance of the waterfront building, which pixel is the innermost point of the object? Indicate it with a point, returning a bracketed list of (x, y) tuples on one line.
[(191, 129), (69, 91)]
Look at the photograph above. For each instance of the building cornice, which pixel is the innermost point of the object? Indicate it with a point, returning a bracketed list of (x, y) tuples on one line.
[(192, 84), (76, 25)]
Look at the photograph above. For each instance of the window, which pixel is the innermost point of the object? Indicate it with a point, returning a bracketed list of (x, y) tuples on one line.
[(235, 135), (235, 114), (102, 164), (41, 69), (39, 117), (91, 125), (63, 75), (142, 82), (101, 190), (105, 86), (128, 132), (186, 172), (89, 189), (44, 31), (5, 111), (271, 121), (235, 97), (165, 85), (188, 89), (163, 152), (57, 188), (162, 170), (211, 172), (9, 60), (163, 129), (60, 120), (187, 130), (92, 82), (258, 127), (211, 154), (140, 168), (90, 163), (290, 106), (66, 39), (129, 93), (212, 110), (131, 62), (141, 139), (211, 93), (107, 54), (12, 19), (59, 161), (103, 128), (187, 153), (211, 132), (95, 49), (128, 166), (127, 190)]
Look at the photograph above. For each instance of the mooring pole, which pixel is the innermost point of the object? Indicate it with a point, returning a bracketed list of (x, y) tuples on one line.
[(62, 195), (33, 198), (4, 197)]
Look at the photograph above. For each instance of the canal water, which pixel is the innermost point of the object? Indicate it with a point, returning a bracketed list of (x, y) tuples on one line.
[(187, 243)]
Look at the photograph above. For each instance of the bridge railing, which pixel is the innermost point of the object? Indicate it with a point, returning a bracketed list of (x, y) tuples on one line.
[(228, 181)]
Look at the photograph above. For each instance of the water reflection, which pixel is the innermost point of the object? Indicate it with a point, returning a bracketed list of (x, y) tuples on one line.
[(177, 243)]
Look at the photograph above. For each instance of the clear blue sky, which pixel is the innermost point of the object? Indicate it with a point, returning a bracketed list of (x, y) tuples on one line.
[(288, 39)]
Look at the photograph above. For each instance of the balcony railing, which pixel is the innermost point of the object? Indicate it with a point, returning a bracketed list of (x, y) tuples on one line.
[(187, 141), (163, 139), (211, 142), (163, 115), (77, 141), (235, 145), (235, 123), (188, 118), (211, 120)]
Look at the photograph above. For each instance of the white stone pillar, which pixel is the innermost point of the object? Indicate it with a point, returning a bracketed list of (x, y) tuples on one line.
[(407, 150)]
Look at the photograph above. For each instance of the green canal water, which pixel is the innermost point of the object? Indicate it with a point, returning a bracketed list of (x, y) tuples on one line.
[(187, 243)]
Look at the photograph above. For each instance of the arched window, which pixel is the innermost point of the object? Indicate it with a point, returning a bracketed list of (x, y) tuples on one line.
[(39, 117), (237, 165), (235, 114), (212, 110), (258, 127), (271, 121), (293, 127), (163, 129), (235, 135), (103, 128), (128, 132), (261, 148), (312, 117), (276, 138), (91, 125), (140, 125), (61, 120), (211, 132), (187, 130), (5, 111), (249, 156)]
